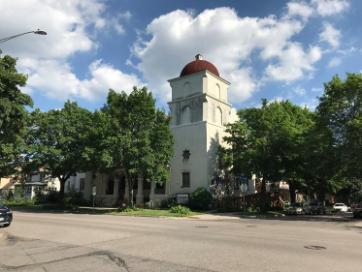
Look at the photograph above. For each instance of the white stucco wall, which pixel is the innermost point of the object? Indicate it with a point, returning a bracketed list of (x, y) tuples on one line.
[(209, 93)]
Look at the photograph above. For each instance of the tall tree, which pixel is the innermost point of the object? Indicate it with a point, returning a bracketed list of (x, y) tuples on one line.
[(267, 142), (161, 140), (13, 115), (142, 139), (59, 140), (340, 112)]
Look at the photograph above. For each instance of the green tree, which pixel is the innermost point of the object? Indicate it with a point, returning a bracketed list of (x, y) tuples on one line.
[(58, 140), (142, 141), (13, 115), (267, 142), (161, 140), (340, 112)]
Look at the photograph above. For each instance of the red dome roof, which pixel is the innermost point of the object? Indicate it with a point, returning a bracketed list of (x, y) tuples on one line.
[(199, 65)]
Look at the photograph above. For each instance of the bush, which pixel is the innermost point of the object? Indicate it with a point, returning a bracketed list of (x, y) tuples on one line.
[(168, 203), (181, 210), (70, 199), (19, 202), (130, 209), (200, 199)]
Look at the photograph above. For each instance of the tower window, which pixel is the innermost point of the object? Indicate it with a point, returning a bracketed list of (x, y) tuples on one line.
[(186, 115), (218, 91), (185, 179), (218, 116)]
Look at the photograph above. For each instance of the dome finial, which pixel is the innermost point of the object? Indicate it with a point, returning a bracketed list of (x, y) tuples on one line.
[(199, 57)]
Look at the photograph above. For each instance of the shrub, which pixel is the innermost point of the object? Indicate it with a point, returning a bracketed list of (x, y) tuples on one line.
[(181, 210), (168, 203), (19, 202), (200, 199), (130, 209)]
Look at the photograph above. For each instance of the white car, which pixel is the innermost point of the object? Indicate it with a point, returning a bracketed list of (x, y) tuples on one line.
[(340, 207)]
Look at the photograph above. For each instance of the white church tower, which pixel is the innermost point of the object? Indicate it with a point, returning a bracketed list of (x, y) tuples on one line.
[(199, 111)]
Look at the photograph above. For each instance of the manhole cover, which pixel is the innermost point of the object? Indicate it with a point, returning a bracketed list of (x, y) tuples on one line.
[(201, 227), (315, 247)]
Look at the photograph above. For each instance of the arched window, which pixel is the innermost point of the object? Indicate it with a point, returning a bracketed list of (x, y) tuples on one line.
[(218, 91), (218, 116), (186, 115)]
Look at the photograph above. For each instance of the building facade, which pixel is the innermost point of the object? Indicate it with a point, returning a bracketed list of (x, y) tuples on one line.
[(199, 113), (199, 110)]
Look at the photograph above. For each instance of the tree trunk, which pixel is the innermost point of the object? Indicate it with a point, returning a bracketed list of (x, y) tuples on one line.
[(263, 200), (131, 191), (292, 193), (62, 187)]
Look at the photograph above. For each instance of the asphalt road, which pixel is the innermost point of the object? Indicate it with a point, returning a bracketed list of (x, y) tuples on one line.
[(72, 242)]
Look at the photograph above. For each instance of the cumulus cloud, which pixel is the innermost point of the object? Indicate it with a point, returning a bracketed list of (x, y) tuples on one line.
[(57, 80), (330, 7), (228, 41), (330, 35), (293, 63), (71, 28), (302, 9)]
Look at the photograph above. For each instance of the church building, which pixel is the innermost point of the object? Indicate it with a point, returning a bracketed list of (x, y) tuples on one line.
[(199, 112)]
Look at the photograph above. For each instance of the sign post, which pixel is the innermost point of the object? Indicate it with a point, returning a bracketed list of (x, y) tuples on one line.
[(244, 189), (94, 193)]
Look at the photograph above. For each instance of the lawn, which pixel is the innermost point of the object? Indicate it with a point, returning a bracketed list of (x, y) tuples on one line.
[(29, 206), (152, 213)]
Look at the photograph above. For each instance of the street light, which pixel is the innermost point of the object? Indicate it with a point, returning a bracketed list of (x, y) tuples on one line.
[(38, 32)]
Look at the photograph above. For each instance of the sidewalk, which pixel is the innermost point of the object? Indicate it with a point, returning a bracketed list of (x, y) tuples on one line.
[(358, 224), (217, 216)]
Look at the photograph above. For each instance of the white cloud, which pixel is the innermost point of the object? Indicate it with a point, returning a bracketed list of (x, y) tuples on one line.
[(293, 63), (57, 80), (330, 7), (116, 22), (330, 35), (301, 9), (299, 91), (228, 41), (334, 62), (71, 28), (65, 22)]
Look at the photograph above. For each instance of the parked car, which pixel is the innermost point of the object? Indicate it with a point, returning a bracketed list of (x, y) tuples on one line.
[(316, 208), (340, 207), (6, 216), (296, 209), (357, 211)]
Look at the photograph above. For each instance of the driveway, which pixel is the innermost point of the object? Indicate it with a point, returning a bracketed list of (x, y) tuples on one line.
[(73, 242)]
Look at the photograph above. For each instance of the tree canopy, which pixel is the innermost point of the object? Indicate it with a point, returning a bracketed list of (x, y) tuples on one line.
[(13, 115), (59, 139)]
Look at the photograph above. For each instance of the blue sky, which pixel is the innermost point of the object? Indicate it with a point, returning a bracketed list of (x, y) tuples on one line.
[(266, 49)]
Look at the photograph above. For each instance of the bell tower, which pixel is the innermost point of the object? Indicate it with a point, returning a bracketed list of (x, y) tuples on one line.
[(199, 111)]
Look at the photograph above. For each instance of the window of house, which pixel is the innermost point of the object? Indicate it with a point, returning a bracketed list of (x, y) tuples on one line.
[(186, 179), (110, 187), (81, 184)]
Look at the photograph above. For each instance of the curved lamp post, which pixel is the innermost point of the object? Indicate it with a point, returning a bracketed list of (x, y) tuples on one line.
[(38, 32)]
